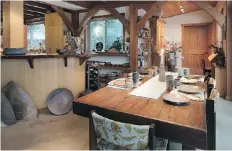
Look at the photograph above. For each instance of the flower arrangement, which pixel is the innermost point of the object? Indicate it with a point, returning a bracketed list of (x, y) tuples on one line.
[(172, 46)]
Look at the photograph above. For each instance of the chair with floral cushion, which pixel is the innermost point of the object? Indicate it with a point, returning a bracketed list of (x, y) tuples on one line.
[(106, 134)]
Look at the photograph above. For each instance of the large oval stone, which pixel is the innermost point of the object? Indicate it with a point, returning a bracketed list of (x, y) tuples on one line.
[(22, 104), (7, 113)]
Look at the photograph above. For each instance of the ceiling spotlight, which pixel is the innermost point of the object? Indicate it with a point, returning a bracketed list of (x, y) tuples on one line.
[(181, 7)]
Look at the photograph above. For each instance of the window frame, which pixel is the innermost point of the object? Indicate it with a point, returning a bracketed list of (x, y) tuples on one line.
[(104, 17)]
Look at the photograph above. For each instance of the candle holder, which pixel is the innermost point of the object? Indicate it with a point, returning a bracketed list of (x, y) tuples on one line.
[(162, 73)]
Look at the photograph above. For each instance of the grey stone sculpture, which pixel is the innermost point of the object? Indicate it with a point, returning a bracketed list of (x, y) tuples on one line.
[(7, 112), (22, 104)]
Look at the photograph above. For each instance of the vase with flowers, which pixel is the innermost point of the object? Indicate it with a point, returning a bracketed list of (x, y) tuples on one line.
[(171, 48)]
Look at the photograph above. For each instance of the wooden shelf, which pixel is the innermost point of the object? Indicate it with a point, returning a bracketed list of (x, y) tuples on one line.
[(116, 67), (112, 54), (82, 57)]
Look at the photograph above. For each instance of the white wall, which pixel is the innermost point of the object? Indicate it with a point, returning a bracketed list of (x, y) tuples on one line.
[(172, 29)]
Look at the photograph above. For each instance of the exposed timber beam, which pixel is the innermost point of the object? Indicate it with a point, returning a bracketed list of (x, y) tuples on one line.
[(121, 18), (39, 19), (154, 7), (85, 21), (212, 11), (64, 17), (133, 39), (34, 9), (114, 4), (37, 5), (33, 13), (85, 4)]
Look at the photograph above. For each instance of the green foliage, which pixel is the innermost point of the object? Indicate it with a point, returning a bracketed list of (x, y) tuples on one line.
[(117, 44)]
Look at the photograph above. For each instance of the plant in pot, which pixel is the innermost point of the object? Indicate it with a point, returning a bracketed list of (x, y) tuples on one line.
[(117, 44), (171, 48)]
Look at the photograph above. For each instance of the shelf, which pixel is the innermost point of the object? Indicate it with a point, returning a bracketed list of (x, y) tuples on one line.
[(112, 54), (116, 67), (31, 57)]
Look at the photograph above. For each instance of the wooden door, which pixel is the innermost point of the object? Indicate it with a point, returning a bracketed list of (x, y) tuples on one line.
[(196, 42)]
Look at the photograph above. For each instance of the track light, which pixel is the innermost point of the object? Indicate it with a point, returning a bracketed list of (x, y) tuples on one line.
[(181, 7)]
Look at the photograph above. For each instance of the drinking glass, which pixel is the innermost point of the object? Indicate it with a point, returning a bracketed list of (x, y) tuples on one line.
[(135, 79)]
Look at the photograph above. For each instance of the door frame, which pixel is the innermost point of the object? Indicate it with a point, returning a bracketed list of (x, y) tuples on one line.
[(209, 24)]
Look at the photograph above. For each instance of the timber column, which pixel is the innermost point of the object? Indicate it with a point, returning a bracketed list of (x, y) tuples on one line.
[(133, 38), (13, 26), (229, 50)]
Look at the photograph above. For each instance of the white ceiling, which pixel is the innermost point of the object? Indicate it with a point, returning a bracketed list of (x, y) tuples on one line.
[(63, 4)]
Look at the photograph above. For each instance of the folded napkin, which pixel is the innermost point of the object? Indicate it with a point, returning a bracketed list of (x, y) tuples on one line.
[(195, 97), (212, 81), (214, 94)]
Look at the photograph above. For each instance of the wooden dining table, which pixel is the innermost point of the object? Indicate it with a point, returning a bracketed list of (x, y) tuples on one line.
[(182, 124)]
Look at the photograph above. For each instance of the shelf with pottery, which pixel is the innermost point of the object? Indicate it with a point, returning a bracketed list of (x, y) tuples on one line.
[(116, 67), (30, 57)]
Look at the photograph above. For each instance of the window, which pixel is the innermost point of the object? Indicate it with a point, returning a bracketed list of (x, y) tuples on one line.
[(105, 31), (35, 36)]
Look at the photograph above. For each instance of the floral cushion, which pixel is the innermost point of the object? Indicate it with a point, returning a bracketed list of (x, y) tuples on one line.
[(161, 144), (121, 134)]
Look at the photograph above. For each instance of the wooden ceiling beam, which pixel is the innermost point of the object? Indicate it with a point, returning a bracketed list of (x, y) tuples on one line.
[(35, 19), (85, 4), (154, 7), (114, 4), (37, 5), (33, 13), (85, 21), (64, 17), (212, 11), (34, 9), (121, 18), (29, 17)]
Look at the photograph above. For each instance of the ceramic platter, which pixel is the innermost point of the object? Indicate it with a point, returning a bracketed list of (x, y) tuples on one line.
[(188, 81), (118, 82), (60, 101), (192, 89), (193, 76), (175, 99)]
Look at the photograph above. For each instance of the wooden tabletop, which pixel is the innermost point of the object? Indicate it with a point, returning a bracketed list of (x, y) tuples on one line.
[(190, 118), (191, 115)]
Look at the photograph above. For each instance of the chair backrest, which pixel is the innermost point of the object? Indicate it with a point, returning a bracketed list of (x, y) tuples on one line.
[(126, 135), (211, 124), (204, 68)]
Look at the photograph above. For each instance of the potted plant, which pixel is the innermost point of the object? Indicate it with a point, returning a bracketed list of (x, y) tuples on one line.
[(117, 44), (171, 48)]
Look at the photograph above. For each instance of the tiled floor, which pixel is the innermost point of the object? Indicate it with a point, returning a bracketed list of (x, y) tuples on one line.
[(71, 132)]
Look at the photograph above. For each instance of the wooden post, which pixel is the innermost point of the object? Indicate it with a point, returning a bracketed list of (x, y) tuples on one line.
[(13, 27), (133, 38), (229, 50), (155, 55), (75, 22)]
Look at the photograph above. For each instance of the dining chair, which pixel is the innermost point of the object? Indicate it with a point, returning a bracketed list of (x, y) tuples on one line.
[(211, 88), (211, 124), (107, 134), (204, 69)]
